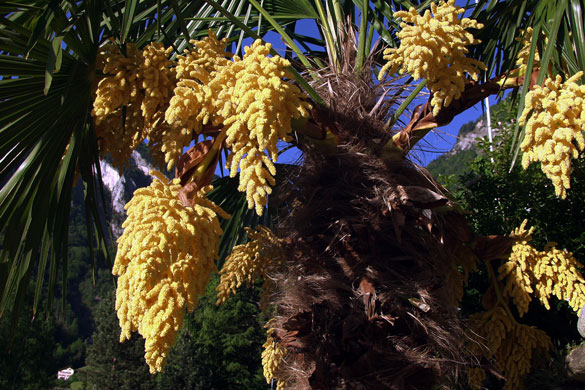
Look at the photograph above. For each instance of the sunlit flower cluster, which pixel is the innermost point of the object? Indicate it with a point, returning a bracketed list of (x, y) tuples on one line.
[(434, 47), (248, 262), (511, 345), (262, 105), (557, 274), (554, 115), (517, 270), (193, 103), (272, 358), (135, 90), (524, 53), (157, 79), (251, 98), (200, 63), (120, 84), (543, 273), (164, 260), (248, 96)]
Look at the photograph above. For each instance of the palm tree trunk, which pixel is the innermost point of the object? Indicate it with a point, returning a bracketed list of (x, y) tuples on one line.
[(365, 299)]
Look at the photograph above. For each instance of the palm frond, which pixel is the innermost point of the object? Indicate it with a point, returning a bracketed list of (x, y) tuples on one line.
[(44, 122)]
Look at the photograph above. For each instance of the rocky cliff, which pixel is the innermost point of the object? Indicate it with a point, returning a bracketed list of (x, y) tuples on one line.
[(120, 188), (464, 151), (466, 140)]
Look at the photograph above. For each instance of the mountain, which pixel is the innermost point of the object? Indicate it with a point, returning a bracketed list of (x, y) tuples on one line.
[(120, 187), (463, 152)]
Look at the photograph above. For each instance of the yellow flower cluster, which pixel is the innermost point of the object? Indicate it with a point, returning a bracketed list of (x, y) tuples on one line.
[(517, 269), (115, 90), (551, 272), (510, 344), (248, 96), (201, 63), (433, 47), (120, 133), (157, 79), (263, 105), (131, 97), (249, 261), (272, 357), (118, 130), (165, 257), (554, 116), (557, 274), (192, 105), (524, 53)]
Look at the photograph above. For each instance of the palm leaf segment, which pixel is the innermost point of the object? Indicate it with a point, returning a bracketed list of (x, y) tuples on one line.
[(48, 133)]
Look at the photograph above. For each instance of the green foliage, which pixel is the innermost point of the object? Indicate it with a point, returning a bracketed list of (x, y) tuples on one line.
[(498, 199), (111, 364), (452, 164), (219, 346), (27, 362)]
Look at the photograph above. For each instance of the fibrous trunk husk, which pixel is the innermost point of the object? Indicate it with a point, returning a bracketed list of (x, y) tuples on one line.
[(362, 301)]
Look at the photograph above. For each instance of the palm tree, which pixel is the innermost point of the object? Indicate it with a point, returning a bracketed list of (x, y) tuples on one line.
[(366, 290)]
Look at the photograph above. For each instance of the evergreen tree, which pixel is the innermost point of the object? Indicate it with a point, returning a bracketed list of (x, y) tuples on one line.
[(219, 346), (27, 360), (111, 364)]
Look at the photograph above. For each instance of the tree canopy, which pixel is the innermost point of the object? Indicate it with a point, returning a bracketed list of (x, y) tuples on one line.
[(87, 79)]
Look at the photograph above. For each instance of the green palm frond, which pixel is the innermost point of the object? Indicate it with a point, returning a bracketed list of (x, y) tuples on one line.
[(44, 134)]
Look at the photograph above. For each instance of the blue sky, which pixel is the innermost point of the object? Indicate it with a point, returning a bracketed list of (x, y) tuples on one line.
[(437, 142)]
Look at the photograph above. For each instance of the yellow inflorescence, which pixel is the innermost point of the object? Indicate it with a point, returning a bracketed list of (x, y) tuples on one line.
[(272, 358), (544, 273), (165, 257), (201, 63), (116, 90), (510, 344), (517, 269), (157, 79), (192, 105), (118, 122), (524, 53), (556, 274), (248, 262), (257, 109), (249, 96), (554, 116), (135, 90), (527, 271), (434, 48), (120, 132)]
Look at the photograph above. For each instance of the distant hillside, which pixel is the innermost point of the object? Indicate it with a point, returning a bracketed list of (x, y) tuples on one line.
[(452, 164), (465, 149), (463, 152)]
